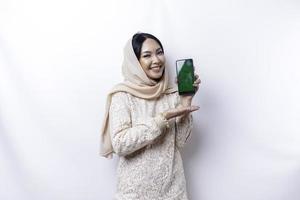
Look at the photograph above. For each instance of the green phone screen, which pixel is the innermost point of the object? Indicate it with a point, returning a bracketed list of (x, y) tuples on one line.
[(185, 76)]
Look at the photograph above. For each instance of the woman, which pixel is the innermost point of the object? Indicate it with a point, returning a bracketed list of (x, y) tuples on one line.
[(146, 124)]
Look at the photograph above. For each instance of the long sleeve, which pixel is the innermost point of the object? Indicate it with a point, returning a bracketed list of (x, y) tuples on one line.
[(126, 138), (183, 129), (183, 126)]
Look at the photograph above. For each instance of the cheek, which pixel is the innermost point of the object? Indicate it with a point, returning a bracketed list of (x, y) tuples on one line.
[(162, 59), (144, 63)]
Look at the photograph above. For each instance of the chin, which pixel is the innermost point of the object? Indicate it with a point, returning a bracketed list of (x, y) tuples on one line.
[(156, 78)]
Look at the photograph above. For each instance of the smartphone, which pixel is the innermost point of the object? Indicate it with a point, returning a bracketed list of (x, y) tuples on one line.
[(185, 76)]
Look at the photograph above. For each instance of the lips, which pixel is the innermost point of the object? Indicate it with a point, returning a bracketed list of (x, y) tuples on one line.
[(155, 67)]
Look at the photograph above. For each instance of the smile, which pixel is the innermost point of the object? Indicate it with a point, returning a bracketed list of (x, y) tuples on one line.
[(155, 67)]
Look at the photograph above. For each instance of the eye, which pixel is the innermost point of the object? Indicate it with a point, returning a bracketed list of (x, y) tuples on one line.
[(160, 52), (146, 56)]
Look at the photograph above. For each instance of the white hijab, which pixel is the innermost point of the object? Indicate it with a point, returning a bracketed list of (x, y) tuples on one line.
[(137, 83)]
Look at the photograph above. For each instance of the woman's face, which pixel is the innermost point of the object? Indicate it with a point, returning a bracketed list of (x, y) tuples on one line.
[(152, 59)]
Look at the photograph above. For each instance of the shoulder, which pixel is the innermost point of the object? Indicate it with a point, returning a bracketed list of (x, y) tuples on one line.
[(119, 95), (119, 101)]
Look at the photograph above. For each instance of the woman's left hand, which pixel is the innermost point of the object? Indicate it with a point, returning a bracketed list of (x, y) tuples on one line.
[(186, 100)]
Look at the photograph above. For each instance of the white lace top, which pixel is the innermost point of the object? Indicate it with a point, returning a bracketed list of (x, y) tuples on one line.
[(150, 165)]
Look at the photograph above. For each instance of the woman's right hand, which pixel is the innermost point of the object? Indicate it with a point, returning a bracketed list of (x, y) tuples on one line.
[(179, 111)]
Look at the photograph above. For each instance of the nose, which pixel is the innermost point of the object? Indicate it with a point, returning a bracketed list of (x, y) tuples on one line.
[(156, 59)]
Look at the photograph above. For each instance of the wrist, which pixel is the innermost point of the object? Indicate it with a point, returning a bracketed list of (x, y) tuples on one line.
[(186, 101), (164, 117)]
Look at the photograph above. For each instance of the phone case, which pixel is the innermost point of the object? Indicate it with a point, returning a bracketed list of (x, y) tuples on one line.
[(185, 76)]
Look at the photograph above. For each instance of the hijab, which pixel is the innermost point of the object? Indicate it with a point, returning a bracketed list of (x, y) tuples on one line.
[(136, 83)]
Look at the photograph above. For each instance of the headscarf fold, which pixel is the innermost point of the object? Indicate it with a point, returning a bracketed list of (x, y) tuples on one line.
[(137, 83)]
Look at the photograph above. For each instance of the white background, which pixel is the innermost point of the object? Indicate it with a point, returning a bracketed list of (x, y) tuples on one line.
[(59, 58)]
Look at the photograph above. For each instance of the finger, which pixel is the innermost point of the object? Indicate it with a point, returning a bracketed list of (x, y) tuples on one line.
[(196, 89), (198, 81), (194, 108), (183, 111), (190, 109), (196, 84)]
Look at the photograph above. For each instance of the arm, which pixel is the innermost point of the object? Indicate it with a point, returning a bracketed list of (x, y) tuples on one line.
[(184, 123), (183, 127), (127, 138)]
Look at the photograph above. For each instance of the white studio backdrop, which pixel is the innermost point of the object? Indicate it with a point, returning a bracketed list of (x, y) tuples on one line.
[(58, 60)]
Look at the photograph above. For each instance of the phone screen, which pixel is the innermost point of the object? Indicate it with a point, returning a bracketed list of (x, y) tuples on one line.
[(185, 76)]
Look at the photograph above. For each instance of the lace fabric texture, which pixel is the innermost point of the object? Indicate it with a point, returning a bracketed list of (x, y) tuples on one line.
[(150, 165)]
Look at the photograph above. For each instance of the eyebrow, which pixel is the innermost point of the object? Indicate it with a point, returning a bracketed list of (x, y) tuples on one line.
[(150, 51)]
